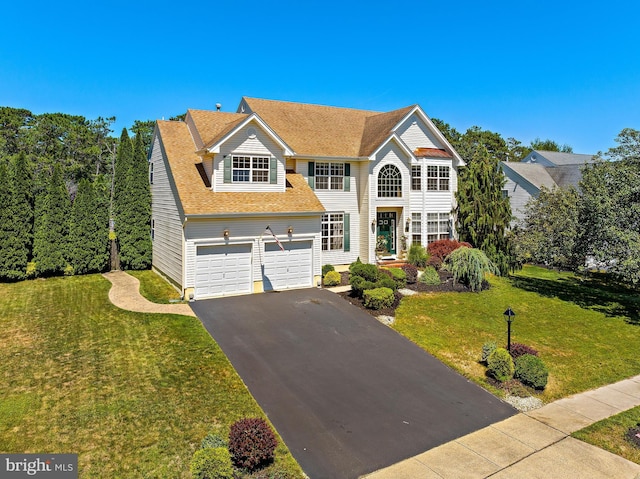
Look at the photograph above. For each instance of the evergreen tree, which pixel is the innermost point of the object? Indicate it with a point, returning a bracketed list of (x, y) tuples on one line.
[(6, 238), (124, 160), (101, 192), (483, 213), (51, 236)]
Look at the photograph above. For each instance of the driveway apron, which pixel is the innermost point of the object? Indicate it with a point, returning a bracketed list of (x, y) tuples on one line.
[(347, 394)]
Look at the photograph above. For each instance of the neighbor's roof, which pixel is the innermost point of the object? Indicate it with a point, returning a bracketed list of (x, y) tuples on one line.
[(561, 159), (432, 153), (534, 173), (327, 131), (197, 199)]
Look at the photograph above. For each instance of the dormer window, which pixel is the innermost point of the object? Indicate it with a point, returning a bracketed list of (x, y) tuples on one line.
[(254, 169)]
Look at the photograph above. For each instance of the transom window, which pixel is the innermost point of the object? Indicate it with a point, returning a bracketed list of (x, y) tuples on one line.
[(332, 231), (437, 226), (389, 182), (416, 228), (416, 177), (437, 178), (329, 176), (254, 169)]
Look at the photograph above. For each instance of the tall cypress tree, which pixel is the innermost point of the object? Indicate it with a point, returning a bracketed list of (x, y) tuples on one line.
[(21, 177), (6, 239), (51, 237), (483, 213), (86, 236), (100, 260)]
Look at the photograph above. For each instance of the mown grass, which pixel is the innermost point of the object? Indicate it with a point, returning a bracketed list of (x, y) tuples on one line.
[(155, 288), (133, 394), (586, 331), (609, 434)]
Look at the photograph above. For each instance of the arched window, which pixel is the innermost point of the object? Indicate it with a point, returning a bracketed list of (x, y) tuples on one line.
[(389, 182)]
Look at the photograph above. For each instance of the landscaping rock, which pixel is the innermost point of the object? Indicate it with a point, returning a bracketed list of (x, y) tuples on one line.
[(524, 404), (384, 319), (407, 292)]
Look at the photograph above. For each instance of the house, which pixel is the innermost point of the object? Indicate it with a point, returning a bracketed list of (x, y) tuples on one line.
[(549, 169), (260, 199)]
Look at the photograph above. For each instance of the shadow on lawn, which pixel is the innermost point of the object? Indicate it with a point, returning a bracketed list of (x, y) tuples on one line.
[(613, 300)]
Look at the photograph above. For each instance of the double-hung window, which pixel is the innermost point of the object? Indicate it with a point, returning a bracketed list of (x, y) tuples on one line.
[(332, 231), (329, 176), (437, 178), (254, 169), (416, 177), (437, 226), (416, 228)]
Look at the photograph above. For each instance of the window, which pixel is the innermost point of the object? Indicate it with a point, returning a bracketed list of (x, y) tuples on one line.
[(332, 231), (389, 182), (329, 176), (505, 193), (150, 173), (437, 226), (416, 228), (416, 177), (254, 169), (437, 178)]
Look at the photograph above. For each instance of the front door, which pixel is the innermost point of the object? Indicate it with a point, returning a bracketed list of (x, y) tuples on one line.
[(386, 232)]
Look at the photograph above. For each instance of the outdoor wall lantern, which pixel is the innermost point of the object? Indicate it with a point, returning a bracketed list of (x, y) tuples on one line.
[(373, 222), (290, 230), (225, 233), (508, 316), (407, 225)]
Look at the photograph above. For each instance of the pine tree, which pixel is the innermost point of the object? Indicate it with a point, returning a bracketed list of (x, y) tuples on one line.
[(483, 213), (51, 236)]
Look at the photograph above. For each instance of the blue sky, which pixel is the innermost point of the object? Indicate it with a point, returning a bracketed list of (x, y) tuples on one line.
[(564, 70)]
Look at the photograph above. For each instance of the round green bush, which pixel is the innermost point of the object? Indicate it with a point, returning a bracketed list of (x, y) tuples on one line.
[(332, 278), (430, 276), (531, 371), (212, 463), (367, 271), (417, 256), (500, 365), (487, 349), (359, 284), (386, 282), (399, 276), (378, 298), (326, 268)]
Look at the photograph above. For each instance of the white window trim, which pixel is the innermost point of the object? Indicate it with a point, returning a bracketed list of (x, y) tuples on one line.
[(334, 239), (251, 168), (440, 179), (439, 233), (329, 176)]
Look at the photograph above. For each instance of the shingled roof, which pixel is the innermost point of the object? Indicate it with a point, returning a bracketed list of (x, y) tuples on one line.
[(197, 199)]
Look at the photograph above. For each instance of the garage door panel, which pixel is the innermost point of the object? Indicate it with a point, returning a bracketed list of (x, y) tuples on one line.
[(223, 270), (291, 268)]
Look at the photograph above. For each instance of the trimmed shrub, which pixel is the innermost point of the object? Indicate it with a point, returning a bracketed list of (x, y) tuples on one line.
[(399, 276), (435, 262), (386, 281), (378, 298), (417, 256), (359, 284), (367, 271), (326, 268), (500, 365), (352, 265), (430, 276), (211, 441), (251, 443), (332, 278), (442, 248), (469, 265), (412, 273), (519, 349), (487, 349), (211, 463), (531, 371)]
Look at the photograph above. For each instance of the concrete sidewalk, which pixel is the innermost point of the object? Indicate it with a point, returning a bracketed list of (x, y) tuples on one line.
[(536, 444)]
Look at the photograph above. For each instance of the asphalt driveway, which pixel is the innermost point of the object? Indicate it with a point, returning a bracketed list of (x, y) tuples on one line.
[(347, 394)]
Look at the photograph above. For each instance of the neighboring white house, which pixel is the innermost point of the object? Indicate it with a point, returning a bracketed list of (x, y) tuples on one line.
[(550, 169), (260, 199)]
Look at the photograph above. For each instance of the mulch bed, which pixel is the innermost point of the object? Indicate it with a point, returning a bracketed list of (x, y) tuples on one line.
[(446, 285)]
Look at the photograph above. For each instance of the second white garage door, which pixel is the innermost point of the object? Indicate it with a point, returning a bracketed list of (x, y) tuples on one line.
[(291, 268), (223, 270)]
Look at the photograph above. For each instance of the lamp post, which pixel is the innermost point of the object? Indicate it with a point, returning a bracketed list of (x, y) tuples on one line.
[(509, 315)]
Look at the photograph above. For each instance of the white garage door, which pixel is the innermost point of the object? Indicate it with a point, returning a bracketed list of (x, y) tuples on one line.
[(223, 270), (287, 269)]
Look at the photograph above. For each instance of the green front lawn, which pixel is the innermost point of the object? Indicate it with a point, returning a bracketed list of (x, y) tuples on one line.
[(587, 332), (155, 288), (133, 394)]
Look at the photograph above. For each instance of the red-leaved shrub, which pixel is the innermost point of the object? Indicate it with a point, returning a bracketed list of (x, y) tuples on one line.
[(412, 273), (519, 349), (442, 248), (251, 443)]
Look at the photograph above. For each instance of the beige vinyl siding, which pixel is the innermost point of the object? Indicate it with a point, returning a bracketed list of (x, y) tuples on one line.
[(242, 144), (250, 230), (520, 192), (167, 242), (415, 133), (365, 217)]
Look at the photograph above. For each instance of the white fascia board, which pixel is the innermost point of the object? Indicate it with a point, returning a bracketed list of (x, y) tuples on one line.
[(253, 117), (434, 130), (345, 159), (205, 216)]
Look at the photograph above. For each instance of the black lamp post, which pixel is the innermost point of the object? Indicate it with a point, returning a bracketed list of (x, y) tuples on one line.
[(509, 315)]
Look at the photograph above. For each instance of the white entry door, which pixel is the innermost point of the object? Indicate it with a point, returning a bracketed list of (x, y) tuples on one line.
[(223, 270), (291, 268)]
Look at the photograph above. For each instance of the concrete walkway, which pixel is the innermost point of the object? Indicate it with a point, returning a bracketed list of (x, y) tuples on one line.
[(536, 444), (125, 294)]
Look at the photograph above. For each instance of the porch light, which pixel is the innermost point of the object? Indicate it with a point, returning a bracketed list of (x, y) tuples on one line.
[(508, 316), (225, 233), (373, 222)]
